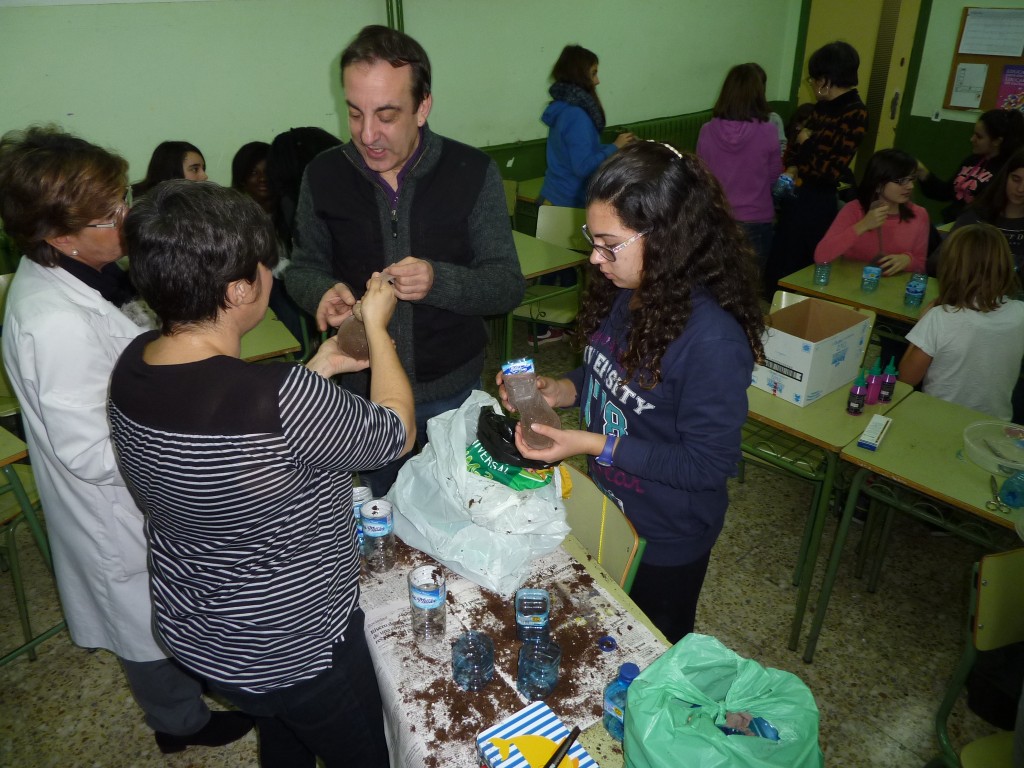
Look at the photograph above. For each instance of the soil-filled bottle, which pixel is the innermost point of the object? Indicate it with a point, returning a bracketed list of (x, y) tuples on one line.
[(521, 385)]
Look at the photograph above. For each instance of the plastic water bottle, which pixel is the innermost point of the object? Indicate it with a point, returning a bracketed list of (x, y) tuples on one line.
[(858, 394), (473, 660), (1012, 492), (521, 385), (360, 495), (428, 590), (615, 700), (378, 535), (889, 379), (783, 188), (874, 382), (533, 607), (869, 279), (822, 273), (916, 285)]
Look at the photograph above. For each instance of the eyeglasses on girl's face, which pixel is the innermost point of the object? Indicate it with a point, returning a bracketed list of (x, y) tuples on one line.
[(608, 253), (119, 213)]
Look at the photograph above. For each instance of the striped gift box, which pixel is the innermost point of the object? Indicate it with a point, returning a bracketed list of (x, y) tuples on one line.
[(527, 740)]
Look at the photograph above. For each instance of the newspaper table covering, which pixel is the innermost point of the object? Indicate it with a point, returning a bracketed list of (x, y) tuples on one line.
[(432, 722)]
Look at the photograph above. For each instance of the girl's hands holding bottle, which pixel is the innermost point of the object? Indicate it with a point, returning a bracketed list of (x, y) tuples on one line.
[(564, 443)]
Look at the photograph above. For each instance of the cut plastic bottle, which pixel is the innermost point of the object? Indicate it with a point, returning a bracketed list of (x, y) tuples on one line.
[(521, 385)]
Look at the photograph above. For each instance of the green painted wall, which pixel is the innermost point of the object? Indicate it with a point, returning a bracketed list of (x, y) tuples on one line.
[(226, 72)]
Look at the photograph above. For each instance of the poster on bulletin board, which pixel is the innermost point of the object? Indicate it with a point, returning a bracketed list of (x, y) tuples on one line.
[(987, 71), (1011, 89)]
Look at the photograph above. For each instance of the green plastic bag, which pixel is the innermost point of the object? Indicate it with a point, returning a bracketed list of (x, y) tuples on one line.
[(664, 729)]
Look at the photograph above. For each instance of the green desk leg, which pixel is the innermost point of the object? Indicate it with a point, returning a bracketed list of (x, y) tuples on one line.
[(833, 563), (806, 566)]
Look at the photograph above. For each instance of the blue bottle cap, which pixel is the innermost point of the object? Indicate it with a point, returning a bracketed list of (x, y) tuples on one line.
[(607, 643)]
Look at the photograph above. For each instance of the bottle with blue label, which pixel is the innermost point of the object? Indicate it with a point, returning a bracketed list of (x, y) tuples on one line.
[(521, 386), (533, 607), (914, 294), (378, 535), (615, 700)]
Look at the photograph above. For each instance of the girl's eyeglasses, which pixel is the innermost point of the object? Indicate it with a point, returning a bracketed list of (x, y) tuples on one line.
[(606, 253)]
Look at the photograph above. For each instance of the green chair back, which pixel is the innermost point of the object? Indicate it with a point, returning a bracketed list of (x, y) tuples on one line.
[(603, 530)]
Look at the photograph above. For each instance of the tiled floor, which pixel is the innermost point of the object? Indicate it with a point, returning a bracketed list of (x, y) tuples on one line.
[(880, 669)]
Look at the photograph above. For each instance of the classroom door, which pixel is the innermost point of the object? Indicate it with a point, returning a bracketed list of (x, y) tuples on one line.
[(882, 31)]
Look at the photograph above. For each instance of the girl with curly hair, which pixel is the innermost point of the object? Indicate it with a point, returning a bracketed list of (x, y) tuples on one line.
[(672, 327)]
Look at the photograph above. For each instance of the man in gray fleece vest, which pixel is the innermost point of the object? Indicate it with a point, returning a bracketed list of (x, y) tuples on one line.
[(426, 210)]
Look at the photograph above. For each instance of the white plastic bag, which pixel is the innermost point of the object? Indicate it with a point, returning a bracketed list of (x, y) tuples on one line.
[(479, 528)]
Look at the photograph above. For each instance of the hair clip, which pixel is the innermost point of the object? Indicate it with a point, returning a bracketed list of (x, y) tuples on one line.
[(669, 147)]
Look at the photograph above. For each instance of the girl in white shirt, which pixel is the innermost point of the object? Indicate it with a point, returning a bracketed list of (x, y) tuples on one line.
[(967, 347)]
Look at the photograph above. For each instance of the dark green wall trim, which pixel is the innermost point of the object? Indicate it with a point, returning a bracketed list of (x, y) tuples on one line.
[(801, 50), (914, 70)]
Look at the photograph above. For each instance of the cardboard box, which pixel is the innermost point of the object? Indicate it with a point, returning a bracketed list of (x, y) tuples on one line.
[(528, 738), (811, 348)]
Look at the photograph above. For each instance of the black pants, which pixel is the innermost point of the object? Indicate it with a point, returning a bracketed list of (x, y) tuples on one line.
[(668, 595), (802, 222), (337, 715)]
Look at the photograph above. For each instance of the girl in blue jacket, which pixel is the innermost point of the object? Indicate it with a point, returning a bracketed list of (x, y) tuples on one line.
[(575, 119)]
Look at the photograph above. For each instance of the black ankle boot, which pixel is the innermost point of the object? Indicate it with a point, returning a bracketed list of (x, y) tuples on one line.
[(223, 728)]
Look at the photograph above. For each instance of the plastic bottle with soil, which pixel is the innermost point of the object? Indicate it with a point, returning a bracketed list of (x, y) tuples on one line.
[(521, 385)]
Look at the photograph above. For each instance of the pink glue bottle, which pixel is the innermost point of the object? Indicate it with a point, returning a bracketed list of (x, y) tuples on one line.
[(874, 382)]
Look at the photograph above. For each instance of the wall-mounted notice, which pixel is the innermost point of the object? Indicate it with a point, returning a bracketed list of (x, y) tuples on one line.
[(993, 32), (968, 85), (1011, 88)]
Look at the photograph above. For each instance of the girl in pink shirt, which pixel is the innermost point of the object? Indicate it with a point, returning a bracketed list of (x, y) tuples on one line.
[(881, 226)]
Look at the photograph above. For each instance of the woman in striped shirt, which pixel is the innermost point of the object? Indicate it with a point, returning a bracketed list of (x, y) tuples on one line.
[(244, 474)]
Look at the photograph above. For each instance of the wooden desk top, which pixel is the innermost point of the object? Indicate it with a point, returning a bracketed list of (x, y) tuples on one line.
[(537, 257), (11, 448), (269, 339), (923, 450), (844, 287), (825, 422)]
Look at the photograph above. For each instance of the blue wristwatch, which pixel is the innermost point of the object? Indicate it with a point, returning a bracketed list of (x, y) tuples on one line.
[(605, 459)]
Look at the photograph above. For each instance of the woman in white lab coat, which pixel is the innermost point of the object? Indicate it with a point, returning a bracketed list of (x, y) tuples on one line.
[(68, 317)]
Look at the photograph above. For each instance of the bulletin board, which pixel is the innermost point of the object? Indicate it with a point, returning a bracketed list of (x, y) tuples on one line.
[(988, 64)]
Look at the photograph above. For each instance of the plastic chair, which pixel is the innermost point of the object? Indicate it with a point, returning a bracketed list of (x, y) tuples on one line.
[(995, 619), (511, 189), (603, 530), (19, 501), (555, 305)]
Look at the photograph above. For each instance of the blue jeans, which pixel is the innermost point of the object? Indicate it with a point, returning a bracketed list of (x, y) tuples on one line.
[(760, 235), (380, 480)]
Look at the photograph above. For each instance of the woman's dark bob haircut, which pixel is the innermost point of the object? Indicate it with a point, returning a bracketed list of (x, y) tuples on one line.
[(884, 166), (53, 183), (836, 64), (189, 240)]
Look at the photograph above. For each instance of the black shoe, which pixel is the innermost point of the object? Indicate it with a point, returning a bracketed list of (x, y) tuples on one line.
[(223, 728)]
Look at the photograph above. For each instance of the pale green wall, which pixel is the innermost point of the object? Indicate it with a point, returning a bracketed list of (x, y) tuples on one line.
[(222, 73), (937, 57)]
